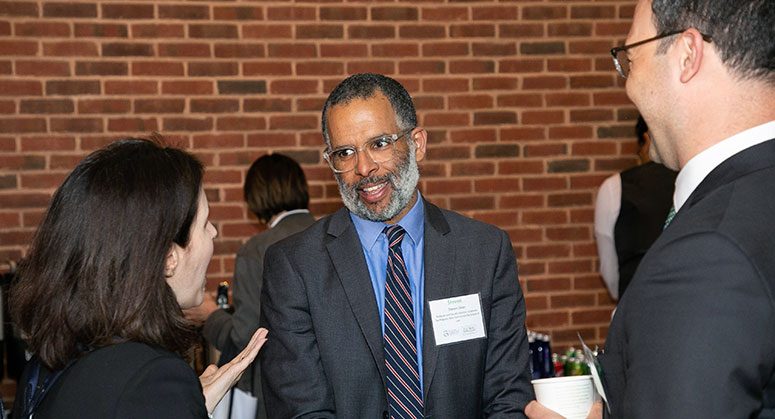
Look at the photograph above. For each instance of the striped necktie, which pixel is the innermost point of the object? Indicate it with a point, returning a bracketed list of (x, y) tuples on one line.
[(403, 379), (670, 216)]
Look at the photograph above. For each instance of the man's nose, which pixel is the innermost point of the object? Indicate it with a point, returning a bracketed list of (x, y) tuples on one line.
[(366, 164)]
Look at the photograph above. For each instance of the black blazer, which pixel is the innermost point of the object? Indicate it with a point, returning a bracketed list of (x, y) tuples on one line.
[(324, 356), (694, 336), (127, 380)]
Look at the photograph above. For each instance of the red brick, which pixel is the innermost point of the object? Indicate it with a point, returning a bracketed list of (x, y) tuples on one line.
[(18, 47), (214, 105), (591, 316), (19, 8), (592, 12), (267, 68), (343, 13), (295, 13), (395, 50), (577, 82), (292, 50), (521, 30), (296, 122), (16, 162), (472, 30), (47, 143), (42, 181), (274, 140), (472, 169), (158, 30), (7, 107), (188, 124), (544, 82), (42, 29), (101, 68), (520, 167), (533, 303), (444, 13), (577, 131), (494, 49), (157, 106), (238, 13), (569, 267), (240, 50), (213, 31), (379, 67), (478, 202), (476, 135), (495, 13), (267, 31), (471, 102), (319, 31), (210, 69), (293, 86), (46, 106), (522, 100), (65, 10), (240, 123), (551, 319), (127, 11), (448, 187), (425, 31), (157, 68), (22, 125), (371, 32), (545, 150), (568, 233), (495, 83), (76, 125), (218, 141), (184, 50), (543, 117), (187, 87), (42, 68), (394, 13), (567, 65), (20, 88), (446, 119), (320, 69), (522, 134), (544, 12), (445, 85), (499, 184), (589, 47), (588, 115), (563, 29), (567, 99), (594, 148), (131, 87), (569, 199), (181, 12), (344, 50)]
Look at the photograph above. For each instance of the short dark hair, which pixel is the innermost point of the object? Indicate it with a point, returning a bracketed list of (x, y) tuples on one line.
[(275, 183), (364, 86), (743, 31), (640, 131), (95, 272)]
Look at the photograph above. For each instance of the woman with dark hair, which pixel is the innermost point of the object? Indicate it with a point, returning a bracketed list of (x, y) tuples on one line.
[(122, 248), (276, 192)]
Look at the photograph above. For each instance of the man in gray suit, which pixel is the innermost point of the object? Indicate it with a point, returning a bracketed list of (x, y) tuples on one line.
[(693, 336), (328, 300)]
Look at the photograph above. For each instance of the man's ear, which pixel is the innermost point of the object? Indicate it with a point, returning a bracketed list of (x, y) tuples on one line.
[(172, 261), (690, 46), (420, 139)]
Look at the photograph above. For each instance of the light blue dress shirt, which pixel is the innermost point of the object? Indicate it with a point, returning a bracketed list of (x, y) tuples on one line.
[(375, 248)]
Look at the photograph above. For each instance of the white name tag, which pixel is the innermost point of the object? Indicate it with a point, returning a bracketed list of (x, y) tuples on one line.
[(457, 319)]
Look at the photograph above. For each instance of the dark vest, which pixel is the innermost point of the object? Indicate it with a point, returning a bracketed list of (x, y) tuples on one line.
[(647, 195)]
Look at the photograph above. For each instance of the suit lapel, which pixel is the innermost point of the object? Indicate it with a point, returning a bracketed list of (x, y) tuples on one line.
[(350, 264), (439, 269)]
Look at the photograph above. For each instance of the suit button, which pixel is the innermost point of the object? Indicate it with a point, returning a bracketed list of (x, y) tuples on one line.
[(385, 415)]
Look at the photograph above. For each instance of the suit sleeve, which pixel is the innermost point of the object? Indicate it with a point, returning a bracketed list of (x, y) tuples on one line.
[(507, 389), (164, 388), (607, 209), (294, 382), (698, 338)]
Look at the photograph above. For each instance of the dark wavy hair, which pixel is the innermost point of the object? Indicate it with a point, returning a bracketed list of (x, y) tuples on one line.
[(275, 183), (743, 31), (95, 272), (364, 86)]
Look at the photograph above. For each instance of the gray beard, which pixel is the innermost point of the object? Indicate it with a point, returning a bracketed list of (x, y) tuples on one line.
[(403, 184)]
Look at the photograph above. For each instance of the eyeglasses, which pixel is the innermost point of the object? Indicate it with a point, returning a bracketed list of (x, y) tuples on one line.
[(622, 62), (378, 149)]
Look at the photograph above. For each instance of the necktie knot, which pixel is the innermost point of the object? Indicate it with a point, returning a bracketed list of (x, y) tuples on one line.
[(395, 234)]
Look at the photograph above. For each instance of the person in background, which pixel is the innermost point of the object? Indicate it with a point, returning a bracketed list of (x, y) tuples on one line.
[(276, 192), (692, 336), (351, 300), (122, 248), (630, 214)]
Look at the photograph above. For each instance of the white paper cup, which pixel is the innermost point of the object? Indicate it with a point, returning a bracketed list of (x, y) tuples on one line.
[(571, 397)]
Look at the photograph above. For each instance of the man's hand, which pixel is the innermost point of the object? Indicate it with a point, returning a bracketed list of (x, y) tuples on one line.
[(201, 312), (217, 381), (535, 410)]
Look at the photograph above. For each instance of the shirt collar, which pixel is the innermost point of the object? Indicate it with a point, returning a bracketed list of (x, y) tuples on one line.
[(286, 214), (690, 177), (412, 222)]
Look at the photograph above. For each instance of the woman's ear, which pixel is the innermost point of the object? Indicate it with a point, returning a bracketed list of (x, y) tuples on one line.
[(172, 261)]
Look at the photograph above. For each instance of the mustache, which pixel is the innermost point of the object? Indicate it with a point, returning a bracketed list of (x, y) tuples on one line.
[(388, 177)]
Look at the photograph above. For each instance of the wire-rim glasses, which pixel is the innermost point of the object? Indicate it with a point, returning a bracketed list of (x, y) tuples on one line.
[(622, 62), (379, 149)]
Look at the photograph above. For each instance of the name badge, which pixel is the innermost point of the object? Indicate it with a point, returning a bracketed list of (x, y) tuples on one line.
[(457, 319)]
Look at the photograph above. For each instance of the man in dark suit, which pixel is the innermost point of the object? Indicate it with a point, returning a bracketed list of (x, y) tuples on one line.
[(328, 298), (693, 335)]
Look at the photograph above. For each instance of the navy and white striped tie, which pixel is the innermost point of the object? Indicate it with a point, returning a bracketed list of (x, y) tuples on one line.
[(403, 379)]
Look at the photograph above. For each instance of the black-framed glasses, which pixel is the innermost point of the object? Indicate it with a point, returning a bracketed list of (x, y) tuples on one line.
[(379, 149), (622, 62)]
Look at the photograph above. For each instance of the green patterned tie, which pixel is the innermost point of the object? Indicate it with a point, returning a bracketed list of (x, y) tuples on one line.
[(670, 216)]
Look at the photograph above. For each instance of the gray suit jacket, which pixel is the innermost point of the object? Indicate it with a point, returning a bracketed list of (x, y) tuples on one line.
[(324, 356), (248, 270), (694, 336)]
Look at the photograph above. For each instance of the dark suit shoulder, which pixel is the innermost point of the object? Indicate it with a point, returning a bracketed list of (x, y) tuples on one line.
[(127, 380), (256, 246)]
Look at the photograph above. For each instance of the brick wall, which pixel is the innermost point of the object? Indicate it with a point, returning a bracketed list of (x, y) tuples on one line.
[(525, 113)]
